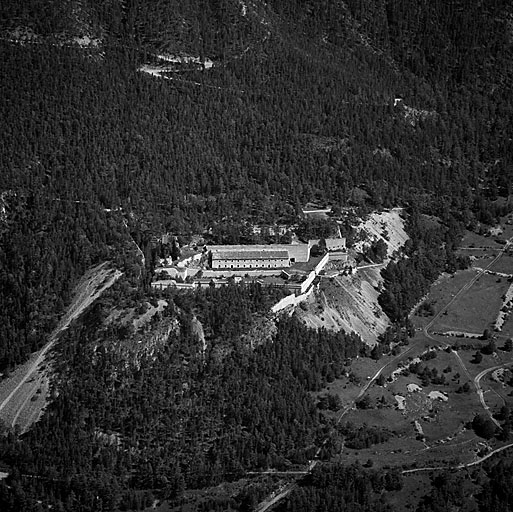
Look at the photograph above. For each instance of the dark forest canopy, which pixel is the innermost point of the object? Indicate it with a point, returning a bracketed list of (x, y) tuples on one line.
[(363, 103), (299, 106), (87, 125), (183, 417)]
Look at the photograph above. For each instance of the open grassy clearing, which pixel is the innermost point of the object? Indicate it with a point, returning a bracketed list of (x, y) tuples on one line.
[(474, 310), (348, 387), (429, 431), (439, 419), (444, 440), (345, 388), (443, 290), (504, 265), (396, 452), (407, 451), (364, 367), (499, 357), (474, 368), (474, 241), (388, 417)]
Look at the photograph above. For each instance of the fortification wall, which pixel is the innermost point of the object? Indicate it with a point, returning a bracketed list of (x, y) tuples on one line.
[(291, 300)]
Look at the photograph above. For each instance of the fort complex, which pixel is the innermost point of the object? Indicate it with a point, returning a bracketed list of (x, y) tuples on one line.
[(249, 259), (292, 266), (268, 256), (258, 256)]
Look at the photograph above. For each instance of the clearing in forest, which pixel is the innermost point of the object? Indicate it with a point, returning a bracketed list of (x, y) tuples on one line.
[(475, 310)]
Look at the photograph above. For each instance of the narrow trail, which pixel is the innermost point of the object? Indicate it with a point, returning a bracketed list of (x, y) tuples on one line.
[(460, 466), (17, 392)]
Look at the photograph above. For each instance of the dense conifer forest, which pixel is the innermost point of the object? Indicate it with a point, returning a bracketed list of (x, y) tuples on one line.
[(181, 417), (363, 103), (295, 119)]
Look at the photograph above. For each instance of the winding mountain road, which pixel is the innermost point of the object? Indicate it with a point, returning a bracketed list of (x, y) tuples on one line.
[(479, 390)]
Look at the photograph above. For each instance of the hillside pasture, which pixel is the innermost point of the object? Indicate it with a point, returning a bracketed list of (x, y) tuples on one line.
[(472, 311), (443, 290), (475, 241), (430, 430), (504, 265)]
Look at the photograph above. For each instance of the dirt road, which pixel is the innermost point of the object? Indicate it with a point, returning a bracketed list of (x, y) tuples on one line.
[(479, 390), (460, 466)]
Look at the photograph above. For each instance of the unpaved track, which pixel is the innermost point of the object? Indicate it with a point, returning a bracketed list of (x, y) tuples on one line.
[(480, 394), (19, 402), (460, 466)]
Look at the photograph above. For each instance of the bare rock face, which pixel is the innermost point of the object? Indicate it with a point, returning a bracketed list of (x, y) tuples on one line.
[(262, 331), (350, 303), (197, 329)]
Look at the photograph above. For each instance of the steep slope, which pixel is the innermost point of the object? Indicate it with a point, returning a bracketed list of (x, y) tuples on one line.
[(387, 226), (24, 394), (242, 139), (265, 106), (351, 302)]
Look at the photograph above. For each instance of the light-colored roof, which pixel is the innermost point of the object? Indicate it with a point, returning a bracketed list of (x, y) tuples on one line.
[(250, 255), (299, 252), (257, 247), (335, 243)]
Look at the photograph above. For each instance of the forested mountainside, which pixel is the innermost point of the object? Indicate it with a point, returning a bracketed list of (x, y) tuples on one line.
[(302, 109), (126, 118), (169, 413), (298, 105)]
